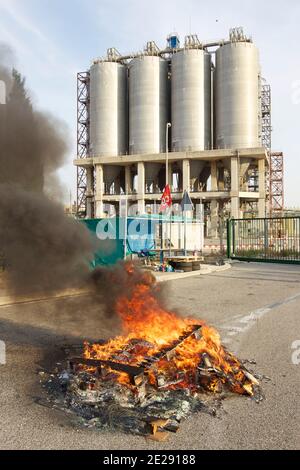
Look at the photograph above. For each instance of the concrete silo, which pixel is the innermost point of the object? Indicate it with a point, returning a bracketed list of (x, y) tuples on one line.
[(191, 100), (108, 109), (237, 105), (148, 104), (191, 105)]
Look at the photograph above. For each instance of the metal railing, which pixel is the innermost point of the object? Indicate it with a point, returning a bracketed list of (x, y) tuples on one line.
[(273, 240)]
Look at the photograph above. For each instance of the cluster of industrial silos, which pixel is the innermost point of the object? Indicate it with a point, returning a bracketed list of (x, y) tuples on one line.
[(211, 103)]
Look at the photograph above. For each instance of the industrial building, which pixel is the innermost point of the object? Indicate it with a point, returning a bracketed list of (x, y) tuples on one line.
[(197, 116)]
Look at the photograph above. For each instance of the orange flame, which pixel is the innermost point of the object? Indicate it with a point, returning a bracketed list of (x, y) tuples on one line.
[(144, 319)]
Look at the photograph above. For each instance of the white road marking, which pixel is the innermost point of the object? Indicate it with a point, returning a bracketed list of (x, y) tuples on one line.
[(241, 324)]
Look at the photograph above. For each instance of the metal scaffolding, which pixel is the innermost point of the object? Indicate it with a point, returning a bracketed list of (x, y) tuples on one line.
[(266, 132), (266, 127), (83, 137), (266, 138), (276, 183), (275, 173)]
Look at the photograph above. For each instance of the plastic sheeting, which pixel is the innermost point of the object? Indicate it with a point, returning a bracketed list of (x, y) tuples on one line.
[(110, 238)]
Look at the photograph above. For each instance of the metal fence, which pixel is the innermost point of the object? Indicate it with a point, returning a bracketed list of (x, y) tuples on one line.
[(273, 240)]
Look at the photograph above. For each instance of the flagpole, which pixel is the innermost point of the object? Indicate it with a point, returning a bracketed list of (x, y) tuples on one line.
[(167, 178), (185, 252), (170, 244), (167, 152)]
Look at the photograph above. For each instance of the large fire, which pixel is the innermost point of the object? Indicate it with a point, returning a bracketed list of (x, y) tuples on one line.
[(173, 352)]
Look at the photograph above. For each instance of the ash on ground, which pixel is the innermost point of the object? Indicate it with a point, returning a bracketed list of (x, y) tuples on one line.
[(109, 405)]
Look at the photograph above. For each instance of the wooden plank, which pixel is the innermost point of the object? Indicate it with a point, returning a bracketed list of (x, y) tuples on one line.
[(129, 369), (136, 373), (170, 349)]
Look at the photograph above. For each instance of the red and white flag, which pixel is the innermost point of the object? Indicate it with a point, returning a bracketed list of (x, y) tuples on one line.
[(166, 199)]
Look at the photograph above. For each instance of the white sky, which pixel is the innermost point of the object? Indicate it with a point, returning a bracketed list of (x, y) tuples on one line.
[(54, 39)]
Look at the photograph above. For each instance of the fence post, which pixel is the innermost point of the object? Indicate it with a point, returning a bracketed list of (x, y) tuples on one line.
[(266, 237), (228, 238)]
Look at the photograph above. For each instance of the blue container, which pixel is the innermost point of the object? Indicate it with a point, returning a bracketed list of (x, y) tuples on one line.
[(173, 41), (110, 240)]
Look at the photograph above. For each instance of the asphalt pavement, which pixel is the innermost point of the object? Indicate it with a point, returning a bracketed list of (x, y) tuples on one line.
[(256, 308)]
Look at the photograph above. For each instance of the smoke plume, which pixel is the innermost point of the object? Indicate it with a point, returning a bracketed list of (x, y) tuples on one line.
[(121, 282), (43, 249)]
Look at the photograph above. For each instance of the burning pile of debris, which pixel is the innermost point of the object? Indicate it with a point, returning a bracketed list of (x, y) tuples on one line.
[(159, 371)]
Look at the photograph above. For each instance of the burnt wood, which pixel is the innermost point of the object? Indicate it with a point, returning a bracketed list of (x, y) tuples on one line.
[(137, 372), (168, 351), (129, 369)]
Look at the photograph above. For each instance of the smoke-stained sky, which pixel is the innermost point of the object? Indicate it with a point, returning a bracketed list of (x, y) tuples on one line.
[(54, 39), (43, 249)]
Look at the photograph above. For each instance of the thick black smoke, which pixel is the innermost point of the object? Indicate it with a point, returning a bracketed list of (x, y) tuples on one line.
[(121, 280), (44, 249)]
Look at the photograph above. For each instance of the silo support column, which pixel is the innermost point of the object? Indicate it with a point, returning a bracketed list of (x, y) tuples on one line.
[(234, 194), (221, 181), (128, 180), (117, 186), (214, 216), (214, 205), (261, 188), (214, 176), (235, 207), (244, 166), (186, 175), (141, 187), (99, 212), (89, 192)]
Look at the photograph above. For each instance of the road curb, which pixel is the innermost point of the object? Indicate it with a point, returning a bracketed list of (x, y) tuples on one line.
[(8, 301), (208, 269)]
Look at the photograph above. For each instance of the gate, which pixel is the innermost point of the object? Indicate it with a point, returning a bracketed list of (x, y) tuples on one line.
[(271, 240)]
